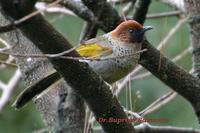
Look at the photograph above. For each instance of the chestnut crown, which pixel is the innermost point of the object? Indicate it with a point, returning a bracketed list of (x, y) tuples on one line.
[(130, 31)]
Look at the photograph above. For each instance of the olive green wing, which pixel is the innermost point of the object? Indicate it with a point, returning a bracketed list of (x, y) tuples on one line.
[(95, 48)]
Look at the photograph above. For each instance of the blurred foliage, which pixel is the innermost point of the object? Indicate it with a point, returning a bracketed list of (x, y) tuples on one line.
[(179, 112)]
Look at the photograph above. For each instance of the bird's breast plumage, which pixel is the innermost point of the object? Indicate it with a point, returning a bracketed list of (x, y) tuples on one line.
[(122, 58)]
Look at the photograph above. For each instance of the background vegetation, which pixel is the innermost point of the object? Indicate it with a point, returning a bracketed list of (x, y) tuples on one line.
[(179, 112)]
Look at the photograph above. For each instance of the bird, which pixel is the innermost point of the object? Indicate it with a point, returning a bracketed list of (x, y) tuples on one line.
[(111, 55)]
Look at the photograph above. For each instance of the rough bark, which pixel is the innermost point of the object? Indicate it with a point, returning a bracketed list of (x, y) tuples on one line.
[(193, 10), (106, 15), (168, 72), (172, 75), (78, 75), (79, 9), (141, 10), (48, 103), (175, 77)]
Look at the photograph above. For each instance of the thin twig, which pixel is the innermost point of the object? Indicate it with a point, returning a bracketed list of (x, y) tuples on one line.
[(5, 44), (25, 18), (8, 89), (16, 23), (43, 7), (136, 116), (141, 76), (62, 53), (182, 54), (163, 14), (146, 128), (87, 112), (171, 33), (119, 1), (60, 56), (8, 64), (2, 85), (89, 31), (175, 59), (130, 95), (43, 130), (42, 55), (126, 79), (179, 4), (9, 61), (10, 58), (128, 8), (158, 103), (160, 46)]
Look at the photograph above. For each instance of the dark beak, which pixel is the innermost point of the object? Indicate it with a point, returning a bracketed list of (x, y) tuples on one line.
[(146, 28)]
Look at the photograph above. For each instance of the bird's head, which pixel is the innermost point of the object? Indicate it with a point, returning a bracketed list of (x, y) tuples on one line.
[(130, 31)]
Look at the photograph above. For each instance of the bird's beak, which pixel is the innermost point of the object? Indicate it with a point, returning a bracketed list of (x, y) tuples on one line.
[(146, 28)]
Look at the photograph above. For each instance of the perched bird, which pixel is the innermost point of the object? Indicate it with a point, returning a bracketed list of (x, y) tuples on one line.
[(123, 42)]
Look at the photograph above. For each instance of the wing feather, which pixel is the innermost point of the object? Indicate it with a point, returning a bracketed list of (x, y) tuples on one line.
[(95, 48)]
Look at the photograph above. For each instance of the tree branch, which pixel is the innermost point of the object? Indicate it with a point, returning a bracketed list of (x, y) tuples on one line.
[(172, 75), (89, 31), (79, 9), (141, 10), (107, 16), (168, 72), (164, 14), (193, 10), (165, 70), (78, 75), (145, 128), (7, 89), (179, 4), (163, 100)]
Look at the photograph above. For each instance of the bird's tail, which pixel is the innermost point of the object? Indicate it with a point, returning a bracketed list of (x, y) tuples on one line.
[(35, 89)]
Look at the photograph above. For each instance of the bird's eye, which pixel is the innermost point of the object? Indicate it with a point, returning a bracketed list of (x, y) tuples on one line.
[(130, 30)]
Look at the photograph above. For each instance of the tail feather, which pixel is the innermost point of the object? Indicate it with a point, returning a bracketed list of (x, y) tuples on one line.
[(35, 89)]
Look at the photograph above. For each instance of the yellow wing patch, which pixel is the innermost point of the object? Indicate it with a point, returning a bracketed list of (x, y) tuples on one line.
[(93, 50)]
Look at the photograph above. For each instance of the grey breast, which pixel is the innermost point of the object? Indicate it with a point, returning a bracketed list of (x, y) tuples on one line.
[(114, 69)]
